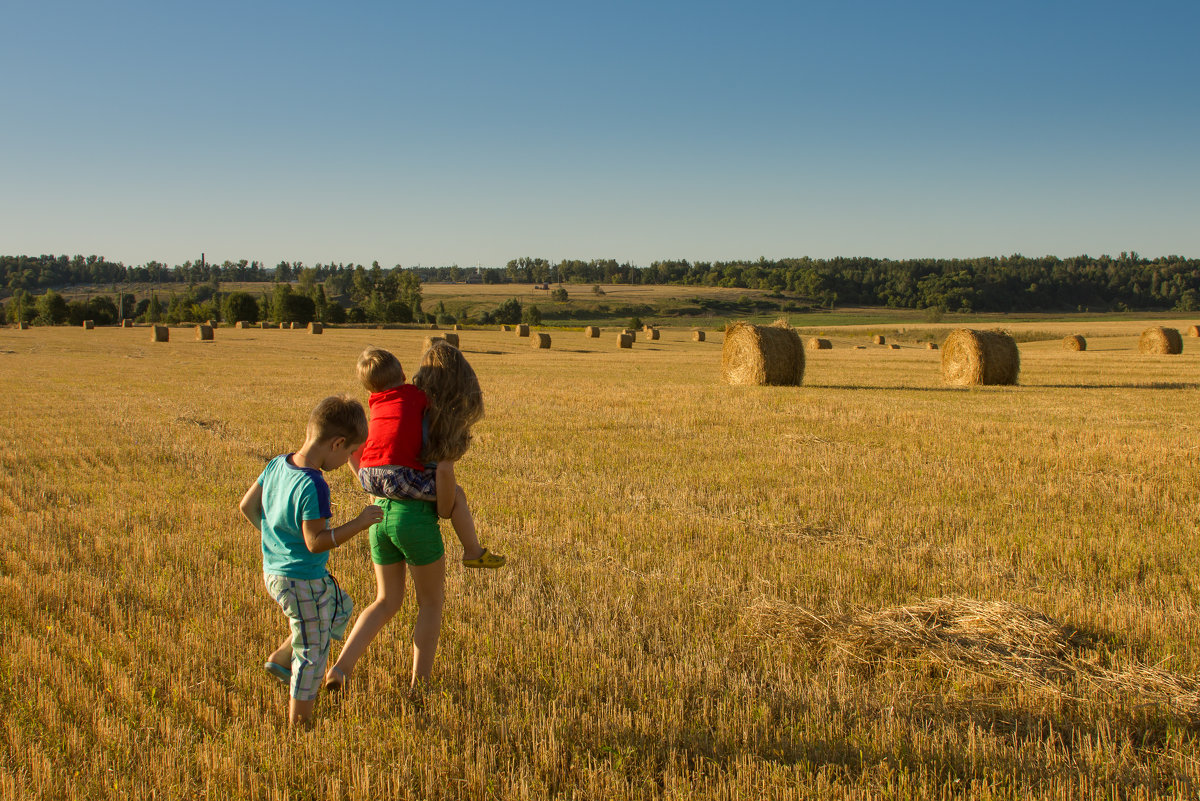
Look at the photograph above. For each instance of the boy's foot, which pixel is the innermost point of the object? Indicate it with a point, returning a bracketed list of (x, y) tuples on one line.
[(284, 674), (335, 679), (486, 559)]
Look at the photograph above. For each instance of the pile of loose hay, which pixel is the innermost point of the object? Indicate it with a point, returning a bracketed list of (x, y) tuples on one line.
[(816, 343), (591, 332), (697, 335), (1160, 340), (624, 340), (204, 333), (980, 357), (160, 333), (1074, 342), (522, 330), (540, 340), (762, 354)]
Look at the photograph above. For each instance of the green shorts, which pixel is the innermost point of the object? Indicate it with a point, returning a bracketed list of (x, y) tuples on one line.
[(408, 533)]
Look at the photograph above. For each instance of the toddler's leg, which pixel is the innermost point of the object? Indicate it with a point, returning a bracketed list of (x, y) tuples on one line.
[(464, 526), (389, 582)]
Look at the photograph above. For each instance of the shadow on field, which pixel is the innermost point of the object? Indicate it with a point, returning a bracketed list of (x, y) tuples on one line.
[(1152, 385), (898, 389)]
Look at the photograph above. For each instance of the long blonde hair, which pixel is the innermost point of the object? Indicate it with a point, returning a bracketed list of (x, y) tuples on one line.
[(455, 401)]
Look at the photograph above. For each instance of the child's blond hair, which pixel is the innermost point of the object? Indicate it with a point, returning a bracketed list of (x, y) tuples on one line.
[(455, 402), (379, 370), (338, 416)]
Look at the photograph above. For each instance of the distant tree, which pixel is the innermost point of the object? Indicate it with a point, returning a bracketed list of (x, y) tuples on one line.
[(559, 294), (21, 308), (240, 306), (52, 309), (154, 310), (508, 313), (532, 315), (635, 322), (596, 290)]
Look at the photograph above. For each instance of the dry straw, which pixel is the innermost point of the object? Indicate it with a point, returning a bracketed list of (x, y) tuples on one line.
[(1193, 331), (980, 357), (204, 333), (88, 325), (1161, 341), (878, 339), (540, 340), (160, 333), (624, 340), (316, 328), (1074, 342), (522, 330), (697, 336), (591, 332), (762, 354), (816, 343)]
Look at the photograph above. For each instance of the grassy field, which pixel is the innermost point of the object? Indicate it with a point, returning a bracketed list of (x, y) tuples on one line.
[(712, 591)]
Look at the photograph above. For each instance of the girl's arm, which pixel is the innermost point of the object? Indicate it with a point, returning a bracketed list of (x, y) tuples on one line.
[(446, 488), (251, 504)]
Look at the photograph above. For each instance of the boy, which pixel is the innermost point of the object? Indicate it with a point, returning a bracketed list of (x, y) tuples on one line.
[(289, 503)]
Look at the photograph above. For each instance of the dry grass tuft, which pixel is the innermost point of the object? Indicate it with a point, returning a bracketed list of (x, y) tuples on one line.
[(1161, 341), (762, 354), (980, 357)]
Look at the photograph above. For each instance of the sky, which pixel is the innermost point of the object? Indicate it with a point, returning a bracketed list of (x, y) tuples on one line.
[(467, 133)]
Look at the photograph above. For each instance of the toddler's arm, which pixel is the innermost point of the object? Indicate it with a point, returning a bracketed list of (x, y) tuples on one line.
[(318, 537), (251, 504)]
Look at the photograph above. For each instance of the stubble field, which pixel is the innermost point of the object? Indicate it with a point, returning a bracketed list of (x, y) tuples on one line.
[(712, 591)]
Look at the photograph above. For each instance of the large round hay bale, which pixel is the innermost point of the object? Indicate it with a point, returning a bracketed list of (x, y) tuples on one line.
[(522, 330), (931, 346), (652, 333), (89, 325), (451, 338), (624, 340), (1193, 331), (697, 335), (878, 339), (204, 333), (1074, 342), (591, 332), (980, 357), (506, 328), (1161, 341), (762, 354), (816, 343), (429, 343), (540, 340), (629, 332), (160, 333), (316, 328), (127, 323)]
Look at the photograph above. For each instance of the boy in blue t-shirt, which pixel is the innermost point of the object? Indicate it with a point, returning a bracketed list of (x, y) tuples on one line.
[(289, 503)]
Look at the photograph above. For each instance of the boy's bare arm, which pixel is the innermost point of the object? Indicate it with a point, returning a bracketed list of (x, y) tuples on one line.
[(319, 538), (251, 504)]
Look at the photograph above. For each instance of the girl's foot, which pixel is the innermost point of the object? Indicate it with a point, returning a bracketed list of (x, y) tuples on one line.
[(486, 559), (335, 679)]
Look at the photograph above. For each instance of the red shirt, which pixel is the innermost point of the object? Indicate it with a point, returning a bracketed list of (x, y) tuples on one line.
[(394, 433)]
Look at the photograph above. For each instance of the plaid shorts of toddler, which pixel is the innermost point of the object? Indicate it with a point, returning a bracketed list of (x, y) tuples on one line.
[(399, 483)]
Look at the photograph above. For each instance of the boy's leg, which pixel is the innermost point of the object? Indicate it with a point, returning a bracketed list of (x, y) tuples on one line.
[(283, 654), (389, 582), (310, 606), (429, 584), (300, 712)]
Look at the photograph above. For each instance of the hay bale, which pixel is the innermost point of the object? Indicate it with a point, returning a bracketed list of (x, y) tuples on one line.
[(762, 354), (316, 328), (1159, 340), (429, 343), (457, 327), (624, 340), (209, 323), (522, 330), (204, 333), (540, 340), (893, 346), (160, 333), (878, 339), (816, 343), (931, 346), (1193, 331), (22, 326), (241, 324), (647, 328), (860, 347), (1074, 342), (591, 332), (506, 328), (980, 357), (451, 338), (88, 325), (697, 335), (433, 327), (629, 332), (653, 333)]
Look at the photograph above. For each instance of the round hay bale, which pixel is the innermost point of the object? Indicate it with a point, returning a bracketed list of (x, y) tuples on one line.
[(540, 340), (457, 327), (1160, 340), (89, 325), (893, 346), (697, 335), (506, 328), (451, 338), (647, 328), (241, 324), (631, 334), (160, 333), (816, 343), (433, 327), (522, 330), (127, 323), (1193, 331), (209, 323), (204, 333), (316, 328), (878, 339), (624, 340), (980, 357), (1074, 342), (931, 346), (762, 354), (860, 347), (22, 326), (429, 343), (591, 332), (653, 333)]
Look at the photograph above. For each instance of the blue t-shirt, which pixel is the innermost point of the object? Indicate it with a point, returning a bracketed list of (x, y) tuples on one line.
[(291, 495)]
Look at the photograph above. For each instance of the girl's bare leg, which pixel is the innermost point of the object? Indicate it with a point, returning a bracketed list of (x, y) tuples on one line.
[(389, 582), (429, 584)]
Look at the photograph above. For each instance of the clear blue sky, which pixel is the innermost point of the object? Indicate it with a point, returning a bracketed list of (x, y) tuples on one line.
[(476, 132)]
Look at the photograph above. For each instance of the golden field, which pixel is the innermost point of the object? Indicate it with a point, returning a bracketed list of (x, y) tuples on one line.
[(686, 563)]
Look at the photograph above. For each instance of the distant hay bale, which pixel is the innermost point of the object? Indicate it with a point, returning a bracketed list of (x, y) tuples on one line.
[(629, 332), (1193, 331), (931, 346), (878, 339), (816, 343), (506, 328), (647, 328), (294, 326), (160, 333), (522, 330), (451, 338), (316, 328), (1074, 342), (697, 335), (433, 327), (860, 347), (762, 354), (127, 323), (283, 326), (264, 325), (241, 324), (204, 333), (429, 343), (540, 340), (22, 326), (591, 332), (88, 325), (1159, 340), (980, 357), (624, 340), (893, 346), (652, 333), (457, 327)]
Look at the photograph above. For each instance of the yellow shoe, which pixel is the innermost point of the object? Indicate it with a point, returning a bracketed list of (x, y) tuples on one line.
[(485, 559)]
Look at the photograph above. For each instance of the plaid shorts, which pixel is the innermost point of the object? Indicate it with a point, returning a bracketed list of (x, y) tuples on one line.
[(399, 483), (318, 610)]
